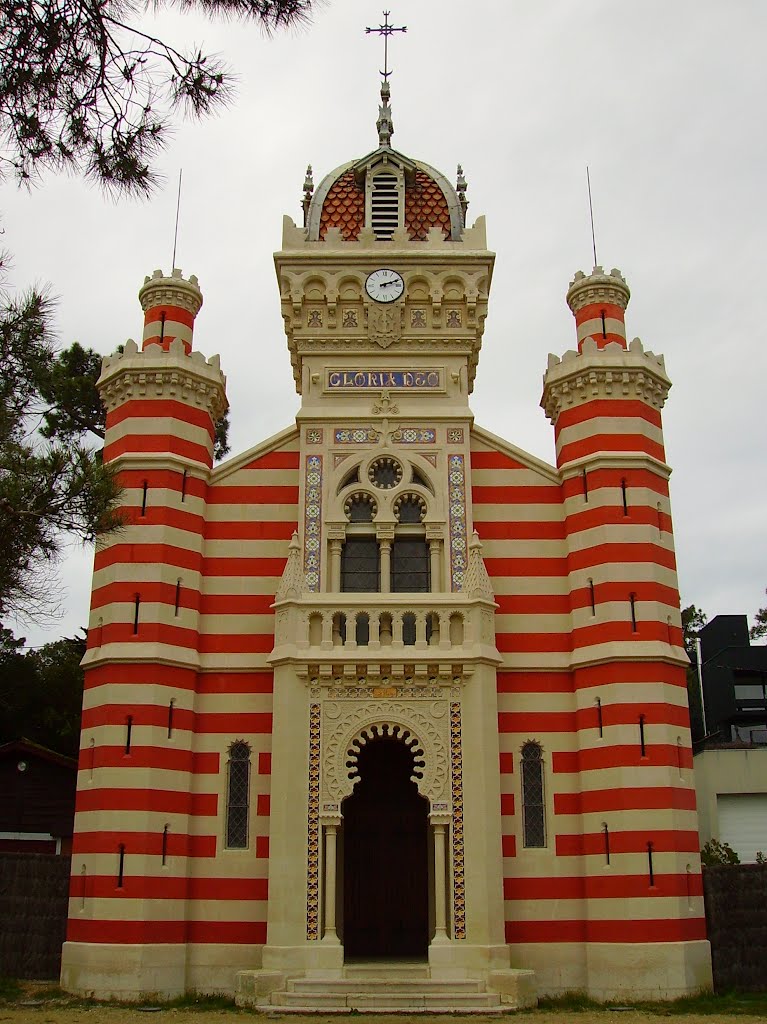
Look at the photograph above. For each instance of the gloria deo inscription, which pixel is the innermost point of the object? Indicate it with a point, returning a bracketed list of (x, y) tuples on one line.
[(405, 380)]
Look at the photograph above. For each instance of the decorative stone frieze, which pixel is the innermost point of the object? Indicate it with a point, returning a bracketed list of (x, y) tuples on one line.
[(163, 374), (610, 372)]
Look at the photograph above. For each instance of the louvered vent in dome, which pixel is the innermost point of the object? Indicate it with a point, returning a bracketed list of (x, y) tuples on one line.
[(384, 205)]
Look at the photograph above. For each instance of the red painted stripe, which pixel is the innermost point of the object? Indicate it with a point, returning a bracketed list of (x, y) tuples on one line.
[(647, 590), (183, 720), (601, 887), (139, 843), (627, 798), (617, 755), (264, 763), (603, 340), (572, 487), (169, 887), (494, 460), (263, 530), (159, 410), (625, 408), (244, 566), (237, 643), (531, 642), (526, 566), (162, 478), (536, 722), (510, 530), (264, 494), (622, 632), (506, 763), (609, 443), (628, 714), (549, 494), (535, 682), (149, 633), (177, 313), (507, 803), (509, 846), (649, 672), (163, 515), (276, 460), (631, 930), (138, 672), (235, 682), (628, 841), (155, 593), (604, 554), (147, 554), (163, 800), (613, 515), (594, 311), (248, 933), (145, 443)]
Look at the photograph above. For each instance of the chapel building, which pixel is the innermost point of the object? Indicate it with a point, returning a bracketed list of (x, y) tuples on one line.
[(385, 711)]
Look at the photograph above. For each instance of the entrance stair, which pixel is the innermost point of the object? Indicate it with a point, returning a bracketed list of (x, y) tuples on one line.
[(389, 987)]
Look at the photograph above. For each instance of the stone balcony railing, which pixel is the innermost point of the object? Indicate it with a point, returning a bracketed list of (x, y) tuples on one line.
[(384, 627)]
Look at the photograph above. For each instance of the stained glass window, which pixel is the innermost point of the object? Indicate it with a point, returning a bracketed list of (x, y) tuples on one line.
[(533, 807)]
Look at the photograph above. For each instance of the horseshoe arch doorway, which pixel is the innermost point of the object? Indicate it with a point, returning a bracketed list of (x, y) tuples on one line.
[(386, 850)]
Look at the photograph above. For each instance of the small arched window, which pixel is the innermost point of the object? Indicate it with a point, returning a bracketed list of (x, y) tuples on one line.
[(533, 808), (238, 796)]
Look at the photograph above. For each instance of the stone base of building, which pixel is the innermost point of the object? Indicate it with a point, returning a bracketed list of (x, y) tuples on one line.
[(133, 972), (604, 971)]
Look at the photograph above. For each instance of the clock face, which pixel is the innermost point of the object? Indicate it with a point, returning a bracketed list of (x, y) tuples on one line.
[(384, 285)]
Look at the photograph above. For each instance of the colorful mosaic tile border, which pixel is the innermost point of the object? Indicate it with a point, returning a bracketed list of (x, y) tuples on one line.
[(414, 435), (355, 435), (457, 492), (313, 827), (312, 521), (456, 771)]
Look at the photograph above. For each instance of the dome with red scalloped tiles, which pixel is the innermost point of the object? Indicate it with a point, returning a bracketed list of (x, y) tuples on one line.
[(429, 200)]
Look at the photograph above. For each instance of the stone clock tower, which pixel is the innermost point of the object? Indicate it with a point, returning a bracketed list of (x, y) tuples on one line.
[(385, 712)]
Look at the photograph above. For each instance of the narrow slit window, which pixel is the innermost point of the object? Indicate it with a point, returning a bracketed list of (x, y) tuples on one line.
[(144, 490), (121, 865), (162, 327), (165, 845), (136, 609), (128, 733), (585, 478), (533, 805), (679, 757), (238, 796), (83, 880), (184, 477), (633, 606), (624, 498), (650, 869), (600, 723), (660, 518), (171, 709), (604, 324), (606, 837), (91, 757), (642, 747), (592, 598), (177, 601)]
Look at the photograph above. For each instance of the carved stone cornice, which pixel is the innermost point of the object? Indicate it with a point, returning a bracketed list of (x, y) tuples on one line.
[(586, 290), (154, 373), (610, 372)]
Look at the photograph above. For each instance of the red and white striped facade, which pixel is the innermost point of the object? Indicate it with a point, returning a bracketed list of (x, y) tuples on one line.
[(210, 626)]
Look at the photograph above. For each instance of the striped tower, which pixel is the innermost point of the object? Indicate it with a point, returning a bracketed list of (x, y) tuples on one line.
[(631, 763), (138, 807)]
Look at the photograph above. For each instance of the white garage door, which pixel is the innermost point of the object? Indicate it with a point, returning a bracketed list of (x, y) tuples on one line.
[(743, 823)]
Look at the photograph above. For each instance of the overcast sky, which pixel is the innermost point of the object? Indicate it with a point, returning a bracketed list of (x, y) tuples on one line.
[(663, 99)]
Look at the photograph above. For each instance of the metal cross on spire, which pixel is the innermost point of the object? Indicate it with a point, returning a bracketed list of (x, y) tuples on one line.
[(386, 30)]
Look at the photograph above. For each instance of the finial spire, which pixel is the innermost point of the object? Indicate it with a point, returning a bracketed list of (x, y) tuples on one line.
[(385, 124), (460, 187), (308, 190)]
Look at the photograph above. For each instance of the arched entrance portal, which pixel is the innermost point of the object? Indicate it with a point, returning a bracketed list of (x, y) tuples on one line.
[(386, 876)]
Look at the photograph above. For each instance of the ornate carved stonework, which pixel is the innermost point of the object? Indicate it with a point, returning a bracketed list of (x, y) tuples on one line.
[(344, 722), (384, 325)]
